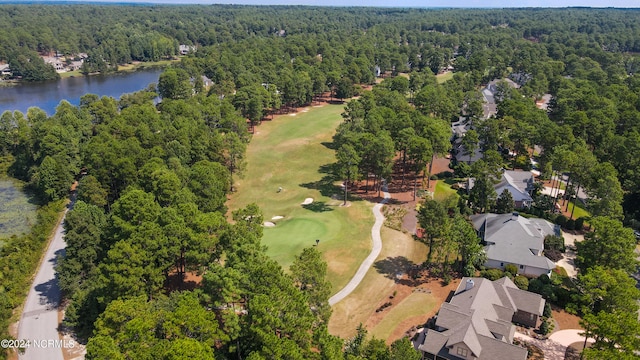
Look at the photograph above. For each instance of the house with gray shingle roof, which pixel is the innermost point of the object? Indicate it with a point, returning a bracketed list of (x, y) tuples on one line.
[(477, 323), (513, 239), (520, 184)]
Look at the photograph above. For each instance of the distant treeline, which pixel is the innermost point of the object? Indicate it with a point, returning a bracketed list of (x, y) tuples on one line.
[(389, 38)]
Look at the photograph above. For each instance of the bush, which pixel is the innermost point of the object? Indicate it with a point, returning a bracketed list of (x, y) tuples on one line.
[(512, 269), (445, 175), (544, 327), (492, 274), (561, 220), (521, 282), (552, 242), (433, 177), (547, 310), (579, 223), (522, 162), (571, 224)]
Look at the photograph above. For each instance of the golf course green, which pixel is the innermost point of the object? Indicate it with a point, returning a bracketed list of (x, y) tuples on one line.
[(288, 161)]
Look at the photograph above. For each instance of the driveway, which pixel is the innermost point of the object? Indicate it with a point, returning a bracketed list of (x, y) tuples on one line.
[(555, 347), (568, 262)]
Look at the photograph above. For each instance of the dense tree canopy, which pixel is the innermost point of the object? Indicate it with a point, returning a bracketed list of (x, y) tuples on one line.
[(151, 205)]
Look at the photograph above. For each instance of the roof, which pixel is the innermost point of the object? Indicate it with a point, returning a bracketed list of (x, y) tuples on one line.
[(511, 238), (518, 183), (463, 156), (479, 315)]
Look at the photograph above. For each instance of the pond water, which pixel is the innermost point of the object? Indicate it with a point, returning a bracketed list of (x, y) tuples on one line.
[(17, 213), (47, 95)]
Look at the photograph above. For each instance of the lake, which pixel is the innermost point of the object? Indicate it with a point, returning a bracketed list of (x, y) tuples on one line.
[(47, 95), (17, 213)]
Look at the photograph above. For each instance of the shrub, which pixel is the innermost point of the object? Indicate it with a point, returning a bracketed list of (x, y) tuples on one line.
[(446, 279), (433, 177), (552, 242), (512, 269), (571, 224), (579, 223), (561, 220), (445, 175), (547, 310), (492, 274), (521, 282), (544, 327), (522, 162)]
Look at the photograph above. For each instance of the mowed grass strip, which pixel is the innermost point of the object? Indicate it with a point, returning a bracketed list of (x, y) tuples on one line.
[(376, 287), (293, 153), (413, 306)]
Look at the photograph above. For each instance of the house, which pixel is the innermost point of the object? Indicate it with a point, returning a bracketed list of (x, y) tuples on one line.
[(513, 239), (185, 49), (477, 323), (56, 62), (489, 107), (520, 184), (462, 155), (5, 70)]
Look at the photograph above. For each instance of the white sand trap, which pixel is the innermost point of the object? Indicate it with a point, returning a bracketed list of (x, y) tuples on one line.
[(307, 201), (269, 224), (294, 114), (305, 110), (277, 217)]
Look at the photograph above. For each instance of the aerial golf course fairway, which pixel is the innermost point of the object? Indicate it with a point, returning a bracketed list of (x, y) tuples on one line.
[(292, 153)]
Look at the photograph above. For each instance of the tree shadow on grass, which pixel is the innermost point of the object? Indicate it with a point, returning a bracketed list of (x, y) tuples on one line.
[(393, 267), (318, 206), (329, 145)]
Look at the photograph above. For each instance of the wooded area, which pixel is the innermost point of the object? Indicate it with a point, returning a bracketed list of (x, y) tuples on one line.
[(152, 204)]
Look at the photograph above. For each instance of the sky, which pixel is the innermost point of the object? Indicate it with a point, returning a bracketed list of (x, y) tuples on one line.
[(401, 3)]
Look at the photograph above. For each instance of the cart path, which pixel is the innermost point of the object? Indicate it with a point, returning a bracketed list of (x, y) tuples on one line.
[(375, 251)]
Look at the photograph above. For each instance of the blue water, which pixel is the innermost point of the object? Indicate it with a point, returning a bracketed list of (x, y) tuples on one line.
[(47, 95)]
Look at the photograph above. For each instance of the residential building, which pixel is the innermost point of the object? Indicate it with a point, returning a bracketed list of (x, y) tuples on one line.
[(185, 49), (513, 239), (520, 184), (477, 323)]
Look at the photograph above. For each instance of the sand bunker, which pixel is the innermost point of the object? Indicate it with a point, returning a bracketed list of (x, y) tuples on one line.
[(307, 201), (269, 224), (277, 217)]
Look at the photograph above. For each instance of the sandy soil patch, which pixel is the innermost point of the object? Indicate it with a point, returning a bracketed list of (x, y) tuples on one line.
[(564, 319), (307, 201)]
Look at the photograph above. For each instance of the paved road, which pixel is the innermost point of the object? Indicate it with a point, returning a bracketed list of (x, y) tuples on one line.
[(375, 251), (39, 320)]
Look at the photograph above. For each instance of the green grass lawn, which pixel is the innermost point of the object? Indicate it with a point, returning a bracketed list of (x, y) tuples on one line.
[(441, 78), (443, 190), (580, 211), (293, 152)]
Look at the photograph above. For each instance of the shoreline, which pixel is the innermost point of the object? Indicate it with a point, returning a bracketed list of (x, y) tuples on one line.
[(128, 68)]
